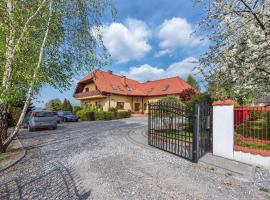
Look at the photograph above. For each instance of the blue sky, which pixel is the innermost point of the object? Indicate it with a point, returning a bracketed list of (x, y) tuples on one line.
[(148, 39)]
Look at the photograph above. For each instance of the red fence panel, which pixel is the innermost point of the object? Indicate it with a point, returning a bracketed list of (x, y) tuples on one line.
[(252, 127)]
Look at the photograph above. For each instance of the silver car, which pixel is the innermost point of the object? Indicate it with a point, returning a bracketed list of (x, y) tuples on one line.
[(42, 120)]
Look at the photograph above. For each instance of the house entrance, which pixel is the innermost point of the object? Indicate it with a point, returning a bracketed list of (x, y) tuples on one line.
[(137, 107)]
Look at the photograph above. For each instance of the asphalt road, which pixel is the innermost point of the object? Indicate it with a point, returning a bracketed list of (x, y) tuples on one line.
[(98, 160)]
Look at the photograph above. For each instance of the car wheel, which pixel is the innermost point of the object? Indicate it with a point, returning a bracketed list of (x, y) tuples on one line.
[(55, 127)]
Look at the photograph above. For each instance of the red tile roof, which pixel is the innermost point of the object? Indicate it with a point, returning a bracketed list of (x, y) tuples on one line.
[(107, 82)]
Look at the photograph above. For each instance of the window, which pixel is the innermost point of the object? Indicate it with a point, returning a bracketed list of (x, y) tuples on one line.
[(119, 87), (144, 106), (120, 105), (150, 89), (98, 104), (165, 87), (129, 88), (113, 87), (87, 89)]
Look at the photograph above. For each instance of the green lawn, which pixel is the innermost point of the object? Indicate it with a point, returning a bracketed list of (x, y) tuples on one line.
[(178, 134), (252, 145)]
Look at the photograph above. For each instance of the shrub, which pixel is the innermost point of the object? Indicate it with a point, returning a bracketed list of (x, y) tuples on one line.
[(121, 115), (169, 100), (76, 109), (99, 116), (256, 115), (82, 115), (187, 94), (13, 116), (197, 99), (112, 110)]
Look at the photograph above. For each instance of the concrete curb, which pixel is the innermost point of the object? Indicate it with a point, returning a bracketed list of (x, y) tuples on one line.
[(17, 159)]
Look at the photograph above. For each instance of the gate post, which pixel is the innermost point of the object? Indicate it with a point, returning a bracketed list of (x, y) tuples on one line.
[(149, 124), (196, 131), (223, 129)]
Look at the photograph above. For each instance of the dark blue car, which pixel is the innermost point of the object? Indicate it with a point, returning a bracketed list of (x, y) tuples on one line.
[(67, 116)]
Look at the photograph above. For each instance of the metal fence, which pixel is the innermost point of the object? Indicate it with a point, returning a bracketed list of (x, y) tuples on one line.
[(252, 127), (176, 129)]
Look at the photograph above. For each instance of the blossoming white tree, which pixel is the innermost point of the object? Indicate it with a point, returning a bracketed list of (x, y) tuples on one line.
[(238, 58)]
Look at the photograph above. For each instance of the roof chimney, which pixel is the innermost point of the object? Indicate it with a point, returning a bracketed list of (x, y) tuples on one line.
[(110, 71), (124, 80)]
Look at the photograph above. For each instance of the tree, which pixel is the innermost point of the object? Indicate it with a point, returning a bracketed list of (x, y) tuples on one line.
[(239, 54), (169, 100), (191, 81), (187, 94), (45, 41), (67, 105), (54, 105)]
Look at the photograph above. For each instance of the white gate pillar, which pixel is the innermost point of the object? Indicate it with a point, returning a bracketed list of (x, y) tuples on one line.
[(223, 130)]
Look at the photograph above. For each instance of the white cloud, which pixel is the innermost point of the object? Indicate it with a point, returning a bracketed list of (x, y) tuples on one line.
[(182, 68), (163, 53), (128, 41), (147, 72), (177, 32), (144, 72)]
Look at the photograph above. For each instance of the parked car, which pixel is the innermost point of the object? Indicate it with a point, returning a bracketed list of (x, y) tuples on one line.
[(67, 116), (42, 120), (57, 117), (26, 120)]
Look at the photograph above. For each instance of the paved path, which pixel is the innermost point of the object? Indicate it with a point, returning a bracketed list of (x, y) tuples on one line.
[(99, 160)]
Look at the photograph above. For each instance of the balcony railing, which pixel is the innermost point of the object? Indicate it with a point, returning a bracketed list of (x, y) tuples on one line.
[(87, 94)]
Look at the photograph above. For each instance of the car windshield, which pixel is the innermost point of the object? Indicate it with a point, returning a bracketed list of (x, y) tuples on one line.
[(67, 113), (43, 114)]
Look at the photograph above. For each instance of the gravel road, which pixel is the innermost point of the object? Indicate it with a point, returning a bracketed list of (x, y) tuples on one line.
[(97, 160)]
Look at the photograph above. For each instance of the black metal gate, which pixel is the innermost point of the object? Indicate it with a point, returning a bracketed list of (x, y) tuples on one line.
[(185, 132)]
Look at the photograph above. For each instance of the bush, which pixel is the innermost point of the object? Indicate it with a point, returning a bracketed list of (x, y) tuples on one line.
[(76, 109), (198, 99), (82, 115), (87, 113), (187, 94), (13, 116), (112, 110), (83, 112), (121, 115), (99, 116)]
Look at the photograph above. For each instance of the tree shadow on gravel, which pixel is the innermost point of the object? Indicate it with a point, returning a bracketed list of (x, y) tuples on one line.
[(53, 181)]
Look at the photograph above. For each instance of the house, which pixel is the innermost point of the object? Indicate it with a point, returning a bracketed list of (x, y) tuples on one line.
[(263, 101), (105, 90)]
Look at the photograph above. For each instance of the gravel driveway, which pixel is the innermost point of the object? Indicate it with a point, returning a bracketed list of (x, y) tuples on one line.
[(97, 160)]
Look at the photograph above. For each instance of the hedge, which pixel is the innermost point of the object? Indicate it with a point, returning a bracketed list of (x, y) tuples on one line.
[(91, 114)]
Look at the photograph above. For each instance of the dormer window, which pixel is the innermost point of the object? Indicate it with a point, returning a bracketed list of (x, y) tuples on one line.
[(129, 88), (113, 87), (150, 89), (87, 89), (120, 88), (165, 87)]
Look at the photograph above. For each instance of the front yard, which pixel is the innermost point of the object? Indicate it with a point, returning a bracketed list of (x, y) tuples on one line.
[(96, 160)]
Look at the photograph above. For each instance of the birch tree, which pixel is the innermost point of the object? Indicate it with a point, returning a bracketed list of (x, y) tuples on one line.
[(238, 58), (46, 41)]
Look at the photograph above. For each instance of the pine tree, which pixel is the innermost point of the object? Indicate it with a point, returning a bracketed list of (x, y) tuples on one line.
[(66, 105)]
